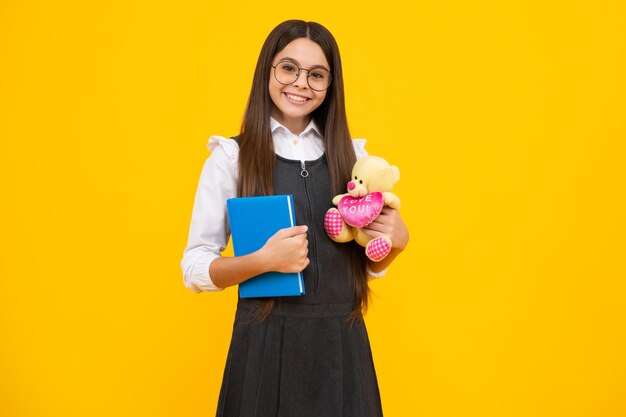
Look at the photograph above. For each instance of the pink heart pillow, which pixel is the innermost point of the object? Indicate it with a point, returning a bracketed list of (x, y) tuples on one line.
[(359, 212)]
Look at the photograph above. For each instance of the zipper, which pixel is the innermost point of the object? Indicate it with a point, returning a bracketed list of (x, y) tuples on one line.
[(304, 174)]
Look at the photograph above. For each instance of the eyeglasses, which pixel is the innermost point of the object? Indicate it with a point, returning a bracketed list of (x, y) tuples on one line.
[(286, 72)]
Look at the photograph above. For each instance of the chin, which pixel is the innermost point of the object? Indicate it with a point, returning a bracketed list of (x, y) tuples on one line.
[(296, 114)]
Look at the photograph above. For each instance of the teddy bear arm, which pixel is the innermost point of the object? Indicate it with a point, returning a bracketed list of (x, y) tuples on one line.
[(337, 198), (391, 200), (360, 237)]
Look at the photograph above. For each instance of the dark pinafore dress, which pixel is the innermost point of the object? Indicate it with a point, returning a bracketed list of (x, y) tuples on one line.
[(306, 359)]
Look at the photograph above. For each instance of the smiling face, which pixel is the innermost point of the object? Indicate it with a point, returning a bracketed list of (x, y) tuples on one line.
[(294, 103)]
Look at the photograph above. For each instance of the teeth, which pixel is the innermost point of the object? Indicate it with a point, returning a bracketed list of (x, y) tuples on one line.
[(296, 98)]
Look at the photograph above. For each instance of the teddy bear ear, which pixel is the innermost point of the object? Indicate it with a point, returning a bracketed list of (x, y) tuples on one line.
[(396, 173)]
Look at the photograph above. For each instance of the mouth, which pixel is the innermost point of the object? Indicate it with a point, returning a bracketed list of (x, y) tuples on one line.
[(296, 99)]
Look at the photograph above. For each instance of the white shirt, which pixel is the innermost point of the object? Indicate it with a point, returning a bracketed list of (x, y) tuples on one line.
[(209, 230)]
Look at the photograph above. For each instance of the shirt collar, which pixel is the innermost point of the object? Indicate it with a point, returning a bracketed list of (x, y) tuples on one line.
[(275, 124)]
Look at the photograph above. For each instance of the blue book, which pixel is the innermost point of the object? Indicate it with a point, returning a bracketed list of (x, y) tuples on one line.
[(253, 220)]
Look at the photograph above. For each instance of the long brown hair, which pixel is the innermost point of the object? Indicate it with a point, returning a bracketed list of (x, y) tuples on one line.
[(256, 155)]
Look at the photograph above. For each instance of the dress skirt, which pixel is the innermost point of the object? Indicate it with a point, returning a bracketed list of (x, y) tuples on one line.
[(304, 360)]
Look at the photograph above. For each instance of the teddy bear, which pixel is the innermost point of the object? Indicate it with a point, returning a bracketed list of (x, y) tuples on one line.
[(369, 190)]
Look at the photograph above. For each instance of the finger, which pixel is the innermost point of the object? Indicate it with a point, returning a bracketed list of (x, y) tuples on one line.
[(301, 266), (302, 239), (372, 233), (382, 226), (388, 210), (378, 226), (293, 231)]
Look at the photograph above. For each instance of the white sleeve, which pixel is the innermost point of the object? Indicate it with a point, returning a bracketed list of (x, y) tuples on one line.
[(373, 275), (359, 150), (209, 230)]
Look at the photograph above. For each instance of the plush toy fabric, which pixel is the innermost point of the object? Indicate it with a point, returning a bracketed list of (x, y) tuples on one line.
[(369, 190)]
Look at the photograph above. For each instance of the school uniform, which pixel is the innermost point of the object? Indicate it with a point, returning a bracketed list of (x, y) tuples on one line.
[(306, 358)]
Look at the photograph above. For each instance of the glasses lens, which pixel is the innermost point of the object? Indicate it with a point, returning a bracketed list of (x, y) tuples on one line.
[(286, 72), (319, 79)]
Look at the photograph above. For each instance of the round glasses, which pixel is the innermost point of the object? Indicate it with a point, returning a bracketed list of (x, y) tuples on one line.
[(286, 72)]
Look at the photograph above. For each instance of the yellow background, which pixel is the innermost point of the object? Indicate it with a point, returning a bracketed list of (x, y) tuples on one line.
[(506, 119)]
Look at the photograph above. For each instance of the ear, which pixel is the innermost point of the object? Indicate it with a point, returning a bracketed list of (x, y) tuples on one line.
[(396, 173)]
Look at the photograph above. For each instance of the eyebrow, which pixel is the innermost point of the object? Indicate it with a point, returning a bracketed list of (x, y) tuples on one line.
[(295, 61)]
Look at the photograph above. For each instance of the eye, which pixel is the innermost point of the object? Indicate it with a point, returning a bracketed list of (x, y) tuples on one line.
[(356, 178), (318, 75), (360, 181), (288, 68)]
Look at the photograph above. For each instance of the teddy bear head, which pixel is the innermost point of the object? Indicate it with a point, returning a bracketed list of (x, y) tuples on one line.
[(371, 174)]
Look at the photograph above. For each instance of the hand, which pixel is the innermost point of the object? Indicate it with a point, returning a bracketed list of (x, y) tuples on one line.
[(389, 223), (287, 250)]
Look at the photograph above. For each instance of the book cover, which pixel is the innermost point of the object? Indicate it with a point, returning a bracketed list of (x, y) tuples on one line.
[(253, 220)]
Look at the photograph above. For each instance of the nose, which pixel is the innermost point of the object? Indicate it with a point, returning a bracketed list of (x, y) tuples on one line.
[(351, 186), (302, 79)]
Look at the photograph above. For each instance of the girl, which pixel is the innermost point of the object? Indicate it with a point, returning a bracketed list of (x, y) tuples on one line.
[(292, 356)]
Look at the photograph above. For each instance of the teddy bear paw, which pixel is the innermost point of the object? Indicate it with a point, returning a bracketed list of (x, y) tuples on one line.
[(377, 249), (333, 223)]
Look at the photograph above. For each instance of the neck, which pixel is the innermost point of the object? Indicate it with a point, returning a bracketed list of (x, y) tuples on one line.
[(295, 125)]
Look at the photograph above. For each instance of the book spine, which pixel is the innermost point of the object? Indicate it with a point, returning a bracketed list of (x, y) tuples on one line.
[(291, 210)]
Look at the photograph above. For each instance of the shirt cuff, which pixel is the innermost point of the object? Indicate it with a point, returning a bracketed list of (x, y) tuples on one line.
[(374, 275), (199, 279)]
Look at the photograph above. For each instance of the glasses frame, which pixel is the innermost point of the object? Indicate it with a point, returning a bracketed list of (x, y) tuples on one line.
[(330, 76)]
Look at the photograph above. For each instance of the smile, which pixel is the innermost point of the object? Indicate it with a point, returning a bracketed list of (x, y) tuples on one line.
[(296, 99)]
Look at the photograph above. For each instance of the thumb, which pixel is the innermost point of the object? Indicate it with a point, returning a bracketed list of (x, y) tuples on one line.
[(293, 231)]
